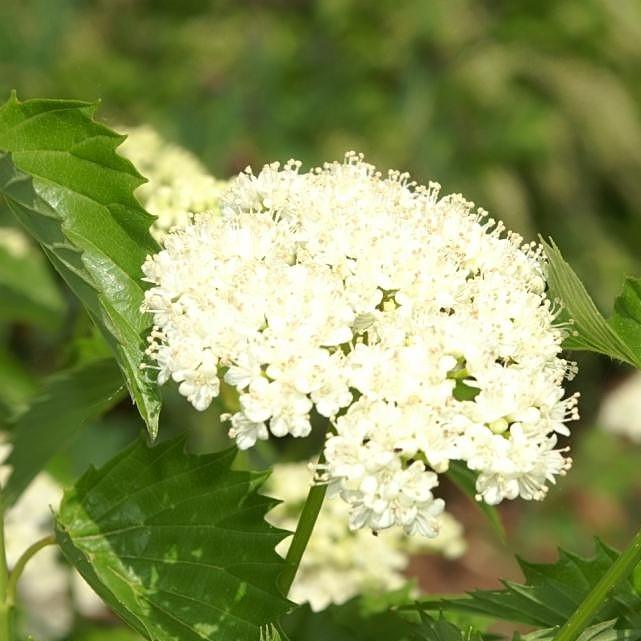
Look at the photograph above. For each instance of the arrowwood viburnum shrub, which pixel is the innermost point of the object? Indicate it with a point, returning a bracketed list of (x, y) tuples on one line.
[(413, 322)]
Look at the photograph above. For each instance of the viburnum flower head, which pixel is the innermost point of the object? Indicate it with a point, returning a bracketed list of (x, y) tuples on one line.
[(416, 324)]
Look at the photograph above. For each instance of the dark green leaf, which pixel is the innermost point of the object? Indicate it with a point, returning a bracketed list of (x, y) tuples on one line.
[(353, 622), (626, 320), (85, 632), (176, 544), (442, 630), (551, 594), (70, 190), (64, 405), (465, 480)]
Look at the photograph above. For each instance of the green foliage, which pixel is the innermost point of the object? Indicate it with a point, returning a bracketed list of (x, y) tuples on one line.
[(62, 407), (530, 109), (27, 290), (16, 386), (626, 320), (604, 631), (104, 633), (465, 480), (552, 593), (64, 182), (354, 621), (620, 336), (176, 544)]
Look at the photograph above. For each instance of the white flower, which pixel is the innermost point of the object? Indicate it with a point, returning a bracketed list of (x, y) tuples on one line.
[(340, 563), (178, 185), (620, 411), (414, 323)]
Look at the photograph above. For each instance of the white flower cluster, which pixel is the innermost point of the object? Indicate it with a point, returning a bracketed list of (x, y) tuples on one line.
[(178, 185), (49, 590), (412, 322), (620, 412), (340, 563)]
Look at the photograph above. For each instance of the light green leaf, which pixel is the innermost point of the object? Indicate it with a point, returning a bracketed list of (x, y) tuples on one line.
[(591, 331), (67, 401), (70, 190), (27, 290), (176, 544), (270, 633)]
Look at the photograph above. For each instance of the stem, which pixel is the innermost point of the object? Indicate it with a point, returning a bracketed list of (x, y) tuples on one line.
[(618, 572), (303, 532), (5, 608), (12, 583)]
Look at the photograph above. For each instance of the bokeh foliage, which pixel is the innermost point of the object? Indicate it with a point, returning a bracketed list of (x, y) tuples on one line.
[(530, 108)]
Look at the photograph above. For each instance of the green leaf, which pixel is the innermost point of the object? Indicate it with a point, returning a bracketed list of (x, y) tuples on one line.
[(465, 480), (346, 622), (626, 321), (92, 632), (67, 401), (604, 631), (442, 630), (552, 592), (16, 386), (27, 290), (176, 544), (591, 330), (70, 190), (352, 621), (270, 633)]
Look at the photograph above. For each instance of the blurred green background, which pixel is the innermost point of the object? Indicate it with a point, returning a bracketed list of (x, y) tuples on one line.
[(532, 109)]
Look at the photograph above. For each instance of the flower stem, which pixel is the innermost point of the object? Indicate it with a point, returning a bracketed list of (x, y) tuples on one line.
[(5, 608), (12, 583), (618, 572), (304, 529)]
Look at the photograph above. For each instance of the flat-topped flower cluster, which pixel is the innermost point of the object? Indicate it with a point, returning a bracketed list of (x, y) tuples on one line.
[(414, 323)]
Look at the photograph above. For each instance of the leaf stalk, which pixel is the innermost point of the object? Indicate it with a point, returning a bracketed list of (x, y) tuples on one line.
[(304, 530)]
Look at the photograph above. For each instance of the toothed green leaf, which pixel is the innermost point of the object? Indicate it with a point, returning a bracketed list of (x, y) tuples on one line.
[(62, 178), (551, 593), (176, 544)]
